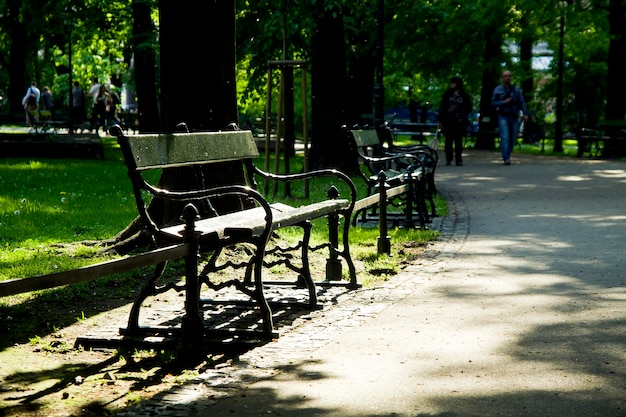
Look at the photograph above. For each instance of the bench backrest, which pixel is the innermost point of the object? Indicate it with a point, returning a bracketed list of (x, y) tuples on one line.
[(46, 114), (365, 138), (183, 160), (184, 149), (613, 127)]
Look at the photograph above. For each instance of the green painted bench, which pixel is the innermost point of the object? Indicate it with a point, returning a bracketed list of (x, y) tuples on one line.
[(398, 166), (226, 222)]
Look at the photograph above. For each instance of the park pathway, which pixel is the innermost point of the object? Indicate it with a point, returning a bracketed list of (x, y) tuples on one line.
[(519, 310)]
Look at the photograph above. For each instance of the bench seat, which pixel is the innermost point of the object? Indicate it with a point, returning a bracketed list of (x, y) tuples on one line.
[(252, 220)]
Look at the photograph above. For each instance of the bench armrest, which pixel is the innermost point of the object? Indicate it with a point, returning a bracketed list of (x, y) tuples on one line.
[(312, 174), (216, 192), (401, 160)]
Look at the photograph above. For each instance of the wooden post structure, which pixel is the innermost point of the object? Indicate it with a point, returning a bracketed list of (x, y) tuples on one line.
[(279, 128)]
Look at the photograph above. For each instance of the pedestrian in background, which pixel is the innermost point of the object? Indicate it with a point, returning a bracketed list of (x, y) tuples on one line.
[(509, 103), (48, 101), (31, 102), (78, 104), (94, 91), (100, 108), (454, 111)]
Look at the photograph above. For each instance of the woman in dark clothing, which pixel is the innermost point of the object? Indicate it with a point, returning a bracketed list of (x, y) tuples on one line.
[(454, 111)]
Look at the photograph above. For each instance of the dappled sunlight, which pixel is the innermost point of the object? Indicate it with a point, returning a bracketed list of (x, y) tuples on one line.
[(482, 178), (614, 174), (502, 327), (588, 219), (573, 178), (26, 166)]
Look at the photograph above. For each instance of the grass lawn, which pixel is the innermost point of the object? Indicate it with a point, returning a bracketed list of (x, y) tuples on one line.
[(53, 210)]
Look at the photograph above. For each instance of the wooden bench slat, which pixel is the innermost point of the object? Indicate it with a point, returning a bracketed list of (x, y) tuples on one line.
[(375, 198), (253, 219), (114, 266), (178, 149)]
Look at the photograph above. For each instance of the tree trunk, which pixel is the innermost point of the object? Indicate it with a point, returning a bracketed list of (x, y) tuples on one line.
[(16, 63), (197, 45), (526, 60), (198, 84), (491, 59), (360, 88), (144, 46), (328, 68), (615, 103), (198, 64)]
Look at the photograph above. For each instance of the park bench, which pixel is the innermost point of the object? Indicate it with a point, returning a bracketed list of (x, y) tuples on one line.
[(128, 120), (230, 225), (236, 151), (421, 132), (396, 179), (607, 141), (42, 121), (427, 154), (191, 331)]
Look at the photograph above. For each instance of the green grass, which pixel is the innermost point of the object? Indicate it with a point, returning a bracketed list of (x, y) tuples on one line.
[(47, 204), (52, 210)]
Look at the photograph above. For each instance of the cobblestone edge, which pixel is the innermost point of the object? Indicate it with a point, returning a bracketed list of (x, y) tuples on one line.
[(348, 309)]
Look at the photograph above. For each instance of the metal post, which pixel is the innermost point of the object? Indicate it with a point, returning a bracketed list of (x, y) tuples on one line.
[(279, 129), (333, 264), (192, 327), (384, 241), (408, 209), (305, 129), (71, 95)]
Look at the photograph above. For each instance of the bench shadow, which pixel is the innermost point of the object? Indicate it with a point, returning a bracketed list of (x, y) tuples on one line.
[(215, 353)]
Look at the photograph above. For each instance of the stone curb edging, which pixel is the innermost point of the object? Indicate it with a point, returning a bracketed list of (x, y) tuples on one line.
[(309, 332)]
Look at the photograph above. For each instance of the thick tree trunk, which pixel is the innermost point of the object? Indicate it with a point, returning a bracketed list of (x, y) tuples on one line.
[(526, 60), (16, 64), (328, 68), (615, 103), (491, 60), (197, 49), (198, 64), (360, 88), (144, 46)]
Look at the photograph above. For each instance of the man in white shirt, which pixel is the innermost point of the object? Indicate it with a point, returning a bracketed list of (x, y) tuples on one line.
[(93, 93), (31, 101)]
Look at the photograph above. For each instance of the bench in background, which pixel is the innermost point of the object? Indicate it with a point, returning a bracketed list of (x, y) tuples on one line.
[(373, 157), (607, 141), (421, 132), (42, 121)]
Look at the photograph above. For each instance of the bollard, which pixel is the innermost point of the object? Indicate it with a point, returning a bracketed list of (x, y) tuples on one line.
[(384, 241)]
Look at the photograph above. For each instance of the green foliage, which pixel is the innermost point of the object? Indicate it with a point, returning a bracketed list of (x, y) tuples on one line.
[(96, 31), (428, 41)]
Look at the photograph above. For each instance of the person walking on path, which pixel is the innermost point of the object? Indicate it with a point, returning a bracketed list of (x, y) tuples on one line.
[(508, 101), (94, 91), (78, 104), (454, 111), (31, 102), (100, 108), (48, 101)]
